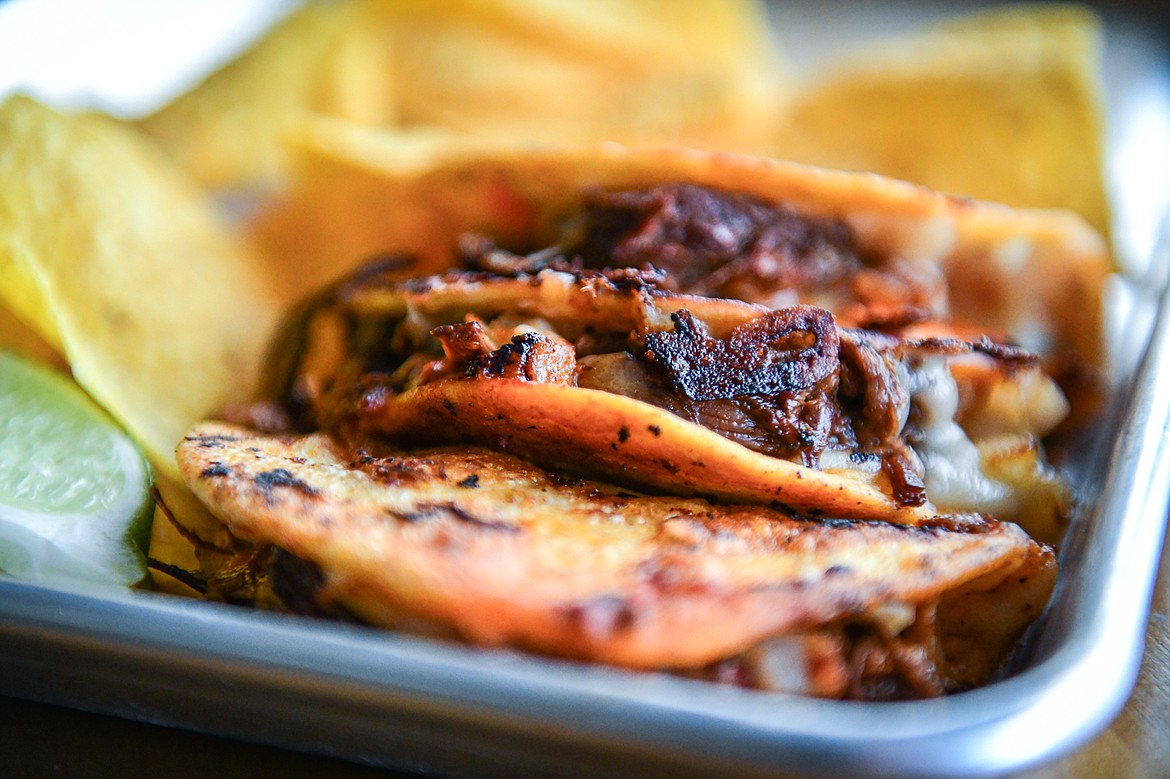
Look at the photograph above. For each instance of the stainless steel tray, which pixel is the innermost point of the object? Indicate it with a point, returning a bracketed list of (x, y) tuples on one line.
[(371, 696)]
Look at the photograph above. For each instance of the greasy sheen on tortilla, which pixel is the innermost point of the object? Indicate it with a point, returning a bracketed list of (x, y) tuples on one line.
[(507, 554), (1034, 275)]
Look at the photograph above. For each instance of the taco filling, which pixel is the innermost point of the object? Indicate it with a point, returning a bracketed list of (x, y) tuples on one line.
[(705, 241)]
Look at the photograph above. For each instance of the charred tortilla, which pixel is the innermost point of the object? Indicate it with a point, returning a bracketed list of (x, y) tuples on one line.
[(507, 554)]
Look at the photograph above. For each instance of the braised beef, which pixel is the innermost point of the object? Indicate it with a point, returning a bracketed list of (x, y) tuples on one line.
[(479, 252), (871, 387), (782, 351), (768, 386), (530, 356), (712, 242)]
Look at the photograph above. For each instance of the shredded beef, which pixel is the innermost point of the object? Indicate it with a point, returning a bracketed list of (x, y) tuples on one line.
[(705, 241), (712, 242), (533, 357), (781, 351), (530, 356), (464, 341), (768, 386), (871, 386), (479, 252), (905, 472)]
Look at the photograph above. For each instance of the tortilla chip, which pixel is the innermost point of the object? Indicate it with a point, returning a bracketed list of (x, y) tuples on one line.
[(1036, 275), (1004, 105), (332, 58), (632, 37), (701, 73), (705, 73), (108, 251)]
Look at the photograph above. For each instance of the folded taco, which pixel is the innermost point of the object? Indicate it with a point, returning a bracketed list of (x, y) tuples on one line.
[(878, 254), (645, 407), (610, 375), (468, 543), (721, 225)]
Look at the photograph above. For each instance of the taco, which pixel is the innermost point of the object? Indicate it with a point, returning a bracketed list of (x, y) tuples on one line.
[(463, 542), (879, 254), (722, 225), (645, 407), (613, 376)]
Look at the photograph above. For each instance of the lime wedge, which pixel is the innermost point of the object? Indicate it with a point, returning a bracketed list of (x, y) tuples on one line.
[(75, 504)]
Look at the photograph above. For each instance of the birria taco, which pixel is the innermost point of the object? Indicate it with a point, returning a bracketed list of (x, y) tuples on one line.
[(653, 272), (609, 375), (663, 409), (1032, 275), (469, 543)]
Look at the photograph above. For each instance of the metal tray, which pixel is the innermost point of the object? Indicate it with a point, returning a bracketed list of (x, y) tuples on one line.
[(394, 700)]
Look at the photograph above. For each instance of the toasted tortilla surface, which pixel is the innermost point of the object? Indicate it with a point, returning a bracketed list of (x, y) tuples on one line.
[(508, 554), (632, 442)]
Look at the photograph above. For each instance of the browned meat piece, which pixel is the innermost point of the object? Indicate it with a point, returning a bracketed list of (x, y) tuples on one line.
[(531, 356), (710, 242)]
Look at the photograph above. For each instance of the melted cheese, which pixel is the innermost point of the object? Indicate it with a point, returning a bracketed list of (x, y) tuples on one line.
[(954, 475)]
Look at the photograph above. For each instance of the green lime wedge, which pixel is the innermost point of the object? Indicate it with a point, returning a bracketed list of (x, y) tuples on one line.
[(75, 504)]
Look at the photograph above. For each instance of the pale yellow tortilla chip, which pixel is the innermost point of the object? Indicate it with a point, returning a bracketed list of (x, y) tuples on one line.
[(630, 37), (1036, 275), (699, 73), (332, 58), (156, 306), (1003, 105)]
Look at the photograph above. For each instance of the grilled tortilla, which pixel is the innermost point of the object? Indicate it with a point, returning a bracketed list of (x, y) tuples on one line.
[(611, 375), (507, 554)]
